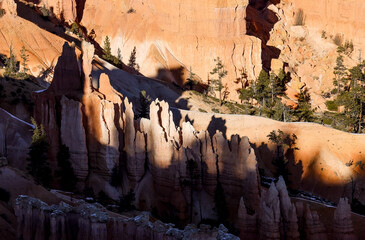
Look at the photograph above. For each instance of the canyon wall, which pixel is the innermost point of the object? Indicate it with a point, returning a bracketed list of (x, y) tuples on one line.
[(335, 17), (152, 154)]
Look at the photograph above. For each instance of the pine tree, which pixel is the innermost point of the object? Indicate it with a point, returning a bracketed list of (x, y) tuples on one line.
[(24, 56), (340, 73), (144, 109), (66, 173), (262, 88), (191, 79), (11, 64), (38, 156), (218, 81), (132, 60), (304, 108), (107, 51), (119, 56)]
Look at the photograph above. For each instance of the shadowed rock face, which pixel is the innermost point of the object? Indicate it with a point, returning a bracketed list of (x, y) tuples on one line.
[(153, 155), (37, 220), (99, 128)]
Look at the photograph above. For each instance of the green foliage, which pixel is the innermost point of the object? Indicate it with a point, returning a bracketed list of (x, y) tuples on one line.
[(262, 88), (304, 109), (119, 56), (75, 29), (107, 51), (299, 18), (331, 105), (11, 64), (144, 106), (25, 58), (66, 173), (38, 156), (45, 12), (132, 60), (126, 201), (350, 83), (220, 73)]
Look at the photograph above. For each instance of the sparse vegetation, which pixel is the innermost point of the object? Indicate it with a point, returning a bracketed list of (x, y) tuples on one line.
[(2, 12), (331, 105), (133, 60), (324, 34), (75, 29), (299, 18), (38, 156), (338, 40), (217, 82), (11, 64), (131, 10)]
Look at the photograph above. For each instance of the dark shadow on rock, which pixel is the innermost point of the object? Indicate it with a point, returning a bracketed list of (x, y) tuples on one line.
[(260, 21), (31, 15), (217, 123)]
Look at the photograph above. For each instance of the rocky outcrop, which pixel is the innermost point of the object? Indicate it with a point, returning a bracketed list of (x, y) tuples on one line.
[(102, 123), (15, 137), (37, 220), (342, 227)]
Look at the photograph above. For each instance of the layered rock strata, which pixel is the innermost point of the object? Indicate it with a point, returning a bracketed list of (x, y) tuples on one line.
[(152, 154)]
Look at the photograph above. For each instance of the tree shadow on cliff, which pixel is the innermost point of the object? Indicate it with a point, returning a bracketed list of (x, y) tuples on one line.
[(260, 21), (217, 124)]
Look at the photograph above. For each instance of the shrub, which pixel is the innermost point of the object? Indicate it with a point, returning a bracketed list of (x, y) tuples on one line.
[(131, 10), (2, 12), (331, 105), (324, 34), (299, 18), (45, 12), (338, 40)]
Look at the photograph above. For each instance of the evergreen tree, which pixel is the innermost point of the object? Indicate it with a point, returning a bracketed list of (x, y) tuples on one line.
[(11, 64), (66, 173), (132, 60), (262, 88), (246, 93), (144, 109), (37, 156), (191, 79), (304, 109), (340, 73), (107, 51), (119, 56), (24, 56), (218, 81)]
